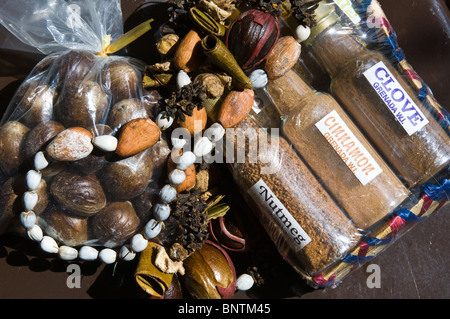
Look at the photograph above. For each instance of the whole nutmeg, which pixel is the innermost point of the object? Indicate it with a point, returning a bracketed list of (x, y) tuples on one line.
[(251, 37), (82, 104), (128, 177), (12, 136), (125, 111), (39, 137), (120, 79), (209, 273), (74, 66), (115, 223), (80, 193), (64, 226), (36, 104), (10, 200)]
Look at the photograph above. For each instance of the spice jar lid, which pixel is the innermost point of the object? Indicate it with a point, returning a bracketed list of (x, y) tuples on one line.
[(325, 16)]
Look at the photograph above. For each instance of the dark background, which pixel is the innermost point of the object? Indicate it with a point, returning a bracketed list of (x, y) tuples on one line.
[(416, 266)]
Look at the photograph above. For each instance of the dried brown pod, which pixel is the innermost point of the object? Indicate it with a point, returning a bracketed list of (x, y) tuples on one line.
[(71, 144), (196, 122), (80, 193), (136, 136), (167, 44), (12, 136), (64, 226), (120, 79), (235, 107), (36, 104), (39, 137), (210, 273), (74, 66), (115, 223), (10, 200), (81, 104), (282, 57), (211, 84), (189, 54), (125, 111)]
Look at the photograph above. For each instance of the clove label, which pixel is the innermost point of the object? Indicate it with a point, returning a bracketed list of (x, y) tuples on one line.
[(267, 201), (348, 147), (396, 98)]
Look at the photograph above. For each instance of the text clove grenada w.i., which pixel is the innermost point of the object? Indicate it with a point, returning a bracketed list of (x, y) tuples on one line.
[(373, 92), (336, 151)]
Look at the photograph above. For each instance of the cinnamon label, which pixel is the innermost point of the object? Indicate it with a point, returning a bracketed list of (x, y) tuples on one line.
[(396, 98), (267, 201), (348, 147)]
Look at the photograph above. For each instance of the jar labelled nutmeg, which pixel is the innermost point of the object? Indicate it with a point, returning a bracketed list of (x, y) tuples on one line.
[(309, 229)]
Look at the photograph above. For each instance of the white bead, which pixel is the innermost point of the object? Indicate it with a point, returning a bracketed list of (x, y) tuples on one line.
[(88, 253), (215, 132), (106, 143), (185, 160), (244, 282), (138, 243), (202, 147), (35, 233), (39, 161), (107, 256), (126, 254), (164, 123), (161, 212), (178, 143), (30, 200), (49, 245), (302, 33), (177, 177), (28, 219), (167, 194), (67, 253), (259, 78), (183, 79), (33, 179), (152, 229)]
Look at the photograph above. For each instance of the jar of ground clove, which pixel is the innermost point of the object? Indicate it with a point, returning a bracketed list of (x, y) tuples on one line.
[(309, 229), (373, 92)]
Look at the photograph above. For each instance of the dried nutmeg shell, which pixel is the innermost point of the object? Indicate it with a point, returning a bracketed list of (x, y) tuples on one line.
[(36, 105), (12, 136), (115, 223), (125, 111), (80, 193), (251, 37), (120, 79), (74, 66), (209, 273)]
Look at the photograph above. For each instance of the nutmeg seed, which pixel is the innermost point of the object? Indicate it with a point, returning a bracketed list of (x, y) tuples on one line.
[(71, 144)]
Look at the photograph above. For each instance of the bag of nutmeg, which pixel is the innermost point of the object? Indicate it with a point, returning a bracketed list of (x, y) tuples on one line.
[(80, 154)]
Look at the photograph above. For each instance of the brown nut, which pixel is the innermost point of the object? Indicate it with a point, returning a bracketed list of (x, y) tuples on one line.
[(12, 136), (196, 122), (10, 200), (136, 136), (125, 111), (39, 137), (115, 223), (120, 79), (81, 194), (36, 104), (64, 226), (82, 104), (282, 57), (128, 178), (74, 66)]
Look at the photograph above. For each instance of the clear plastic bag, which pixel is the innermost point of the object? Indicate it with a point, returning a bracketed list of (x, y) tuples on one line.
[(60, 132)]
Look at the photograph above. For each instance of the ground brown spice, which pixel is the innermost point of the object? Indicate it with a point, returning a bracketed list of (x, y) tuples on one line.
[(332, 233)]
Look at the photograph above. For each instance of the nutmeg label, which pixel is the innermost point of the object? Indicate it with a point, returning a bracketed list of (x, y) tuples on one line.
[(267, 201), (348, 147), (394, 96)]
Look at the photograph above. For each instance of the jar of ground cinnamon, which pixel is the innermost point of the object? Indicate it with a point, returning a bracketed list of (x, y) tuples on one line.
[(336, 151), (373, 92), (309, 229)]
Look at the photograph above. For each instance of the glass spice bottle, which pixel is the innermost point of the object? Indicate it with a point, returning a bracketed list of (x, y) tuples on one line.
[(336, 151), (305, 223), (373, 92)]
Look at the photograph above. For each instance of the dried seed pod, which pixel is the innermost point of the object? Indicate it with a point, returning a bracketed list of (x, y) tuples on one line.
[(136, 136), (40, 136), (80, 193), (211, 84), (115, 224), (107, 256), (124, 111), (189, 54), (167, 44), (251, 37), (74, 66), (49, 245), (282, 57), (67, 253), (70, 145), (37, 104), (196, 122), (88, 253), (235, 107), (12, 136), (81, 104)]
